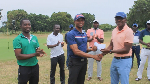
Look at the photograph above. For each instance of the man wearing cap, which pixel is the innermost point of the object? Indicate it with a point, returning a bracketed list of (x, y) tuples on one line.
[(144, 39), (77, 40), (71, 27), (94, 35), (136, 45), (120, 45)]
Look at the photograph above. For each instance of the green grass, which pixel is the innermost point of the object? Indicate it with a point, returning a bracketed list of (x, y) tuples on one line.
[(9, 67)]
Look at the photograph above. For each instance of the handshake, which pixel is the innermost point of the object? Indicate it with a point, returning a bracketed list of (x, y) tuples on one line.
[(99, 57)]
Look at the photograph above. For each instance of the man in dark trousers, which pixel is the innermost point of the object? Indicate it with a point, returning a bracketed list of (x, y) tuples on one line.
[(26, 48), (70, 28), (77, 40), (55, 43), (136, 45)]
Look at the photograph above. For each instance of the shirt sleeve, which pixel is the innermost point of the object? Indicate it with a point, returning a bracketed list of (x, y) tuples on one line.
[(37, 45), (141, 35), (129, 37), (17, 44), (71, 39), (102, 34), (48, 40), (88, 33)]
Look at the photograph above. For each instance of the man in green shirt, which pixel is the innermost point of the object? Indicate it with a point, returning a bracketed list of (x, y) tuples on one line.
[(26, 48)]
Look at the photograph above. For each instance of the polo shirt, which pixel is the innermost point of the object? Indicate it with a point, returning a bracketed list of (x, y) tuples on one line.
[(145, 36), (120, 37), (136, 37), (76, 37), (91, 32), (52, 40), (27, 46)]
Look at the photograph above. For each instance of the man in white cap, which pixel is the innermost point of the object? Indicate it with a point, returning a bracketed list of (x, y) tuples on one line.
[(94, 35), (144, 39)]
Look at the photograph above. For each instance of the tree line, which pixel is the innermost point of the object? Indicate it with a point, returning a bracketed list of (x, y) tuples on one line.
[(44, 23)]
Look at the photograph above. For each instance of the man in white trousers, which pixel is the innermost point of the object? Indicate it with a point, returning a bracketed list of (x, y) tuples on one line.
[(144, 39), (94, 35)]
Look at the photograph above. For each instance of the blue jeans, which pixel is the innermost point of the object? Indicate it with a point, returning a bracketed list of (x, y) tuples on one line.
[(120, 70), (136, 51)]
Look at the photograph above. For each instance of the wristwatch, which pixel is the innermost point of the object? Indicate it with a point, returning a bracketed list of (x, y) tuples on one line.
[(110, 52)]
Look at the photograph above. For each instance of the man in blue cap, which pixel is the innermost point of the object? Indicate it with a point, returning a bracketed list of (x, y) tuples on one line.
[(136, 45), (77, 41), (71, 27), (120, 45)]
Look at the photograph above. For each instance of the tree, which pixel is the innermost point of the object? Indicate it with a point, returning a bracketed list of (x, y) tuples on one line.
[(106, 27), (15, 15), (139, 13), (89, 18), (62, 18)]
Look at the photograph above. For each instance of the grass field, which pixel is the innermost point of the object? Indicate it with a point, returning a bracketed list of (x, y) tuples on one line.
[(9, 67)]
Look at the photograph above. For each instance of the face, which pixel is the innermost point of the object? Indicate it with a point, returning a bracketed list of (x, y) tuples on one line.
[(120, 21), (79, 23), (134, 28), (26, 26), (95, 24), (57, 28), (148, 26)]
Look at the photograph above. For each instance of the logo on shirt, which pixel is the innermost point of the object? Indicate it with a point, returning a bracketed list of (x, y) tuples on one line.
[(34, 41)]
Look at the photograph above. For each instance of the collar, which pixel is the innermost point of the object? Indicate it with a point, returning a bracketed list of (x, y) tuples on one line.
[(78, 31), (147, 30), (54, 35), (24, 36), (96, 28), (124, 28)]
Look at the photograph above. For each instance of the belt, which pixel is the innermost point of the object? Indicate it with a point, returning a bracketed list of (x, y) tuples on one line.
[(126, 57), (147, 48), (79, 59), (135, 44)]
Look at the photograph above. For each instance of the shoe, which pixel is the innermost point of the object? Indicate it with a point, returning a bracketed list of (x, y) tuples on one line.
[(89, 78), (99, 78), (137, 79), (148, 79)]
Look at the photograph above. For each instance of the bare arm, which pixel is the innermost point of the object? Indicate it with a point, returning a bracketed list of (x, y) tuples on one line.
[(147, 44), (124, 50), (20, 56), (101, 40), (51, 46)]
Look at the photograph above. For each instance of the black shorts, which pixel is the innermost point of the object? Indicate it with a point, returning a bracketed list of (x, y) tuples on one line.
[(28, 73)]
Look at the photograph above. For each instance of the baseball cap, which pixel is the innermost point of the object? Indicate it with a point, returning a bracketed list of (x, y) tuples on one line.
[(70, 26), (121, 14), (78, 16), (148, 21), (95, 21), (135, 25)]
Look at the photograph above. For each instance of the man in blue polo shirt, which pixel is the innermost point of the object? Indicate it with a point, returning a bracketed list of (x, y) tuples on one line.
[(144, 39), (136, 45), (77, 40)]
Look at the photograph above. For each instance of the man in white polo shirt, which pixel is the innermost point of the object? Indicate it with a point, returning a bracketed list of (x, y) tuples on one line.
[(55, 43)]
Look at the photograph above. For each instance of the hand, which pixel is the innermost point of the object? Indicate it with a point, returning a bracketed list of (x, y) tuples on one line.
[(148, 44), (40, 52), (58, 43), (93, 37), (96, 36), (62, 44), (105, 51), (94, 48), (97, 57)]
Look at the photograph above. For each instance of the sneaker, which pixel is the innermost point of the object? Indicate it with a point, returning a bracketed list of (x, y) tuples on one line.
[(137, 79), (148, 79)]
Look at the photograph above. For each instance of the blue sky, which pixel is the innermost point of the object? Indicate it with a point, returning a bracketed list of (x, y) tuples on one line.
[(104, 10)]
